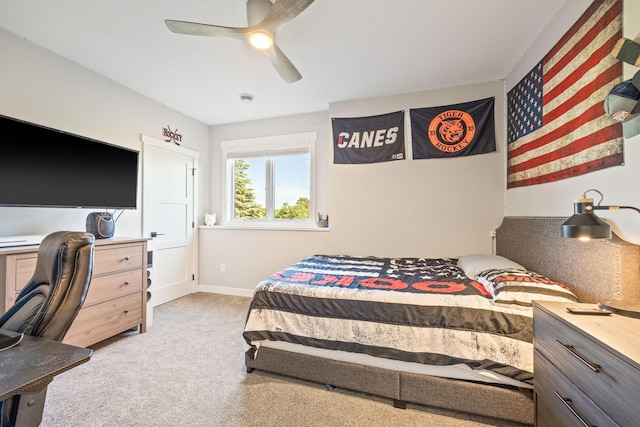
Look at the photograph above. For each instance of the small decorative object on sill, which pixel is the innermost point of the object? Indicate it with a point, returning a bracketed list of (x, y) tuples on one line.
[(322, 221), (209, 219)]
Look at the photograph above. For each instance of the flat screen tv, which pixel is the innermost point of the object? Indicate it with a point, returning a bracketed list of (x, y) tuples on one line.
[(45, 167)]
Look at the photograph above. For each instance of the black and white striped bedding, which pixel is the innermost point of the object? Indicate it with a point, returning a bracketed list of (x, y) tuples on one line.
[(410, 309)]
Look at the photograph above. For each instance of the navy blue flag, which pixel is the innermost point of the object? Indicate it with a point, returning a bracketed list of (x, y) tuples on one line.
[(453, 130), (368, 139)]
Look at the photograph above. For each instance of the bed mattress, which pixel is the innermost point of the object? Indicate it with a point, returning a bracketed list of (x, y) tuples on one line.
[(409, 313)]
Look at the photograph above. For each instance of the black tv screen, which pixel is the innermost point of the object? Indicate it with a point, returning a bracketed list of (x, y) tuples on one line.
[(45, 167)]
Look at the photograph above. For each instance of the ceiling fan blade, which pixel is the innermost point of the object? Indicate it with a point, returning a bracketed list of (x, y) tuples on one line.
[(283, 66), (282, 12), (196, 29)]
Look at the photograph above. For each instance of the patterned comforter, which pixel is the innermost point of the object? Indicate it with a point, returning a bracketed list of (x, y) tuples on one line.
[(409, 309)]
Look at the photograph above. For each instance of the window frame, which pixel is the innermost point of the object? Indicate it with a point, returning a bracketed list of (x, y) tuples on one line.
[(268, 146)]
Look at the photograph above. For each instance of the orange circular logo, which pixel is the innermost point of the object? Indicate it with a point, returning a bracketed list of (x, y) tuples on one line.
[(451, 131)]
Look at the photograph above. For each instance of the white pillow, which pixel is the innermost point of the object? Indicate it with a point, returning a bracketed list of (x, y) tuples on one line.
[(472, 265)]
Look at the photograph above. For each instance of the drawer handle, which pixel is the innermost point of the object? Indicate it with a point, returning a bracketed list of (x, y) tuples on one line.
[(126, 311), (593, 366), (569, 404), (126, 283), (127, 258)]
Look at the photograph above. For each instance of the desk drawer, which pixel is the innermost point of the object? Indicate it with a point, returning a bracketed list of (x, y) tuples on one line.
[(101, 321), (605, 378), (109, 259)]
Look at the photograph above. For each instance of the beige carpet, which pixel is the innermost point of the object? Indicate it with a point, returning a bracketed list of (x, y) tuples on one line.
[(188, 370)]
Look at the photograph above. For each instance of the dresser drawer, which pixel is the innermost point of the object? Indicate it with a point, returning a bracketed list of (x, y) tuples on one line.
[(101, 321), (609, 381), (103, 288), (559, 402), (16, 270), (113, 258), (25, 266)]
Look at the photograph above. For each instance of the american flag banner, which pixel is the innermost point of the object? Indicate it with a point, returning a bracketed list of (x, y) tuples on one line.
[(556, 125)]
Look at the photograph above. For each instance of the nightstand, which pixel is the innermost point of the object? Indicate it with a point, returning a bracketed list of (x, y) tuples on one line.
[(586, 367)]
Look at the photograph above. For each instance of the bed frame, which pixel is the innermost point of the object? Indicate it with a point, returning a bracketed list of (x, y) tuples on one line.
[(595, 270)]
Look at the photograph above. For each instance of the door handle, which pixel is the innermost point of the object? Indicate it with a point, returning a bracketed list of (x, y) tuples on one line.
[(156, 234)]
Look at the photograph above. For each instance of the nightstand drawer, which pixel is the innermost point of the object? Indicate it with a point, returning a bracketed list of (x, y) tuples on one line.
[(559, 402), (609, 381)]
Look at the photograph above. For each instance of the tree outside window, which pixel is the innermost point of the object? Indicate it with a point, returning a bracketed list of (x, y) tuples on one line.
[(269, 181)]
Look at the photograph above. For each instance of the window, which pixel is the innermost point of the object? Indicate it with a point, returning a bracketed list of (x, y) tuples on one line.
[(269, 181)]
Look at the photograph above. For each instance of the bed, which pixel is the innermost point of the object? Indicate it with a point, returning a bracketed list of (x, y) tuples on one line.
[(451, 333)]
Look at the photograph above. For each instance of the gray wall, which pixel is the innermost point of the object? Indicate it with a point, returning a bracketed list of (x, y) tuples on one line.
[(43, 88), (428, 208), (620, 184)]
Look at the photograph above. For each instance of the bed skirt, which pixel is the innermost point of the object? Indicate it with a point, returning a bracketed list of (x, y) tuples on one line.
[(461, 396)]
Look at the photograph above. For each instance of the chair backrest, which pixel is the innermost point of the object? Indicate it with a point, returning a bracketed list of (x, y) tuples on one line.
[(50, 301)]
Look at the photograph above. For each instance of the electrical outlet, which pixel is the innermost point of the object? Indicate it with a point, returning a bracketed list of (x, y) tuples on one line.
[(222, 268)]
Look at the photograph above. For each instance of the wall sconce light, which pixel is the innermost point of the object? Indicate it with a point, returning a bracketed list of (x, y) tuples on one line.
[(584, 224)]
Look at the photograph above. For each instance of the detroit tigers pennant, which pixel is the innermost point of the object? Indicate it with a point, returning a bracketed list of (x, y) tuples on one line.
[(453, 130), (370, 139)]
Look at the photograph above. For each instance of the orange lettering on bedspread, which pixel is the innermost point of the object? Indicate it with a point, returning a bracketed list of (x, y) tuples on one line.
[(382, 283), (480, 288), (328, 279), (299, 276), (448, 287), (439, 287), (277, 275)]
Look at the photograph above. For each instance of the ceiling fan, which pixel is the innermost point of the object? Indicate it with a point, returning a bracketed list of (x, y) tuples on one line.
[(264, 19)]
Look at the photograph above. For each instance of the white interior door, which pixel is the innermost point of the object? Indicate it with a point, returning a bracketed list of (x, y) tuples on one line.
[(168, 217)]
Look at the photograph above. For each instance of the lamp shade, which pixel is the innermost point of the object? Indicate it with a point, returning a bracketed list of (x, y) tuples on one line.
[(586, 226)]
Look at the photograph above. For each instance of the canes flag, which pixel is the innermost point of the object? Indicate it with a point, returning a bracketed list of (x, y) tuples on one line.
[(453, 130), (368, 139)]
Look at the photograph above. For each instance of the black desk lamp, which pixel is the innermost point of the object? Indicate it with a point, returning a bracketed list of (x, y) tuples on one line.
[(585, 225)]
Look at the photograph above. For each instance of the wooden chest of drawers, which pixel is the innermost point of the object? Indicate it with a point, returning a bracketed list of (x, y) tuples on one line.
[(586, 367), (116, 300)]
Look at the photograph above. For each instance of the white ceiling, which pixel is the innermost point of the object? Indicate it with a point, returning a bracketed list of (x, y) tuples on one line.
[(345, 49)]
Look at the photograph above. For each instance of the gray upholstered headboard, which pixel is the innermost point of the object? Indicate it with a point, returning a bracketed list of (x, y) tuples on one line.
[(595, 270)]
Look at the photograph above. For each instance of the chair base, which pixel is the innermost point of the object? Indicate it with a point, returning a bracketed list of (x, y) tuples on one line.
[(24, 410)]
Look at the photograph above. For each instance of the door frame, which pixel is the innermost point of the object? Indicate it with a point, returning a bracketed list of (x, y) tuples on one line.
[(149, 141)]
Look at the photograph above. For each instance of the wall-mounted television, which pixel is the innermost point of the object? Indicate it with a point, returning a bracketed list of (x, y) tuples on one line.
[(45, 167)]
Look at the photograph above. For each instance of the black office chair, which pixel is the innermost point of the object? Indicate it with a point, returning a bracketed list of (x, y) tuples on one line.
[(46, 307)]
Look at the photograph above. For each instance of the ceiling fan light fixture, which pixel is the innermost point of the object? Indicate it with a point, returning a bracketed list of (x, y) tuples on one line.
[(261, 40), (264, 19)]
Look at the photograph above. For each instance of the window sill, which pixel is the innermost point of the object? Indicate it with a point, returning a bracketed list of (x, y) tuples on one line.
[(271, 227)]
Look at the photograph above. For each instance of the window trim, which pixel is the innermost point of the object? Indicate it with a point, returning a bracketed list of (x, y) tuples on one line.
[(264, 147)]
